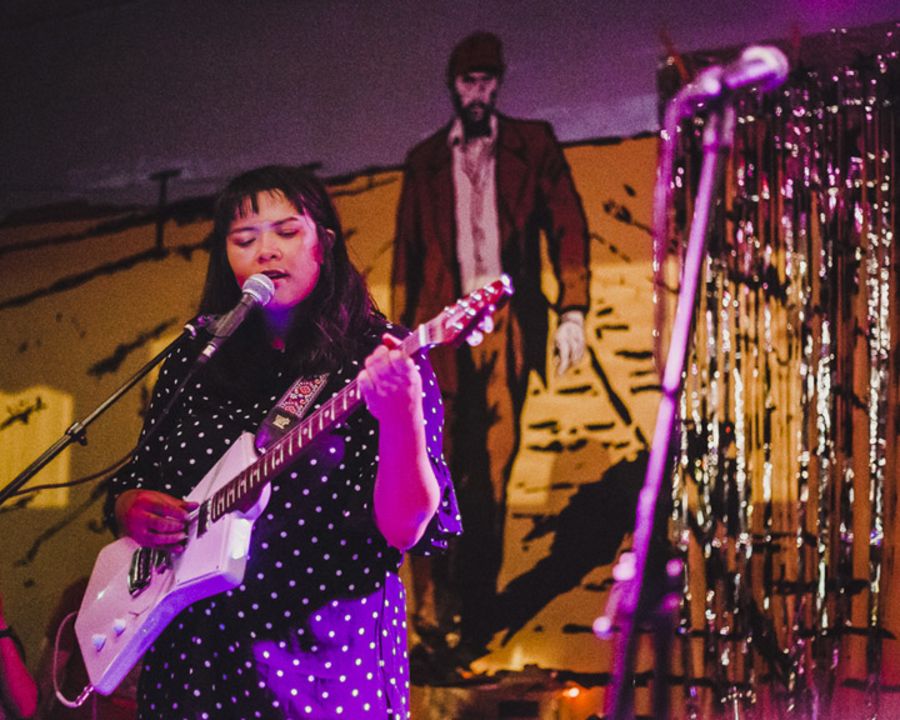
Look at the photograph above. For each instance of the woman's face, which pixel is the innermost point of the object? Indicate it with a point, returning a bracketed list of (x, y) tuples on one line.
[(280, 242)]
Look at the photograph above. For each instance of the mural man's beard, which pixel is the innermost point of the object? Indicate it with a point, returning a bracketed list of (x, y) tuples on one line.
[(476, 116), (476, 119)]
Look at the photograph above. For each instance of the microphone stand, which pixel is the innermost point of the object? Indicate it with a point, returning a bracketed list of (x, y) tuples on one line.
[(632, 603), (77, 431)]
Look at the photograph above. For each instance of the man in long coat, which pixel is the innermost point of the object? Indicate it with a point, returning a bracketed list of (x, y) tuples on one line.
[(477, 196)]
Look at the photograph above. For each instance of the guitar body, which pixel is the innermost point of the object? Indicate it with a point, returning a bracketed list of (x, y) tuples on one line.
[(115, 625)]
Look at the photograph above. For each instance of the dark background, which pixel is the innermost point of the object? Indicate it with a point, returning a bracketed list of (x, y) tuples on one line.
[(99, 94)]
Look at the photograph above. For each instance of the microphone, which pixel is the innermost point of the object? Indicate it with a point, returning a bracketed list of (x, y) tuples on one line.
[(761, 65), (764, 66), (257, 290)]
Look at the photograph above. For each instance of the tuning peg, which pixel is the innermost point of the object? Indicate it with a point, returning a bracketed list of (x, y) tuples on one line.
[(474, 338), (486, 325)]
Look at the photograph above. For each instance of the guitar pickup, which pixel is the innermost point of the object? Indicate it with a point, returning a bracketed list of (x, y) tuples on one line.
[(144, 562), (162, 560), (203, 519), (139, 572)]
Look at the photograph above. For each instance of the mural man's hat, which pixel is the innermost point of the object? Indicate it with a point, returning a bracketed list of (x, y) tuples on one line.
[(478, 52)]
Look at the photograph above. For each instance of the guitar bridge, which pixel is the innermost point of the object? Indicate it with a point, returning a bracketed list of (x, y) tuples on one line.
[(144, 562)]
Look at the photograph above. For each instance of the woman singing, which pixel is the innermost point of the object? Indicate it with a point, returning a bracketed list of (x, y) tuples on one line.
[(317, 629)]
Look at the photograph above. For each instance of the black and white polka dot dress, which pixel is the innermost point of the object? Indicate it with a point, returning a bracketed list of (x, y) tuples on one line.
[(318, 627)]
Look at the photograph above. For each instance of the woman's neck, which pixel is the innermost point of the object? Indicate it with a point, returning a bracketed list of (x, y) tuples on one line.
[(277, 324)]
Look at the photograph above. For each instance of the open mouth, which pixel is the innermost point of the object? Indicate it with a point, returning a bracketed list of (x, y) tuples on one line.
[(275, 274)]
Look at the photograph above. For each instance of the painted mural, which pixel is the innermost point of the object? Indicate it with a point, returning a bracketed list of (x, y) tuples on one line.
[(477, 197)]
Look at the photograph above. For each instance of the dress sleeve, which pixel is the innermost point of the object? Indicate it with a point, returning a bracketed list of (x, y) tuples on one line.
[(143, 469), (446, 522)]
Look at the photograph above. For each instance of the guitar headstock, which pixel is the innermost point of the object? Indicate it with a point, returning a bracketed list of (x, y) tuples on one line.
[(467, 317)]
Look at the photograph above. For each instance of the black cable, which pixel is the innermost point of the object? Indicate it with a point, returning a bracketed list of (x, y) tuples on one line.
[(79, 481)]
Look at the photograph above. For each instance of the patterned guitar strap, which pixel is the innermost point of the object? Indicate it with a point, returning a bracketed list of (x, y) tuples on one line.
[(288, 411)]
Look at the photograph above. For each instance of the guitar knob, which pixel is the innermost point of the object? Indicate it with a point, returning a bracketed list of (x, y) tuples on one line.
[(98, 641), (475, 337), (119, 626)]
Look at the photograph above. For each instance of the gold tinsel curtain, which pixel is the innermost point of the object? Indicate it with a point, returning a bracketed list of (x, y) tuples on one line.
[(784, 496)]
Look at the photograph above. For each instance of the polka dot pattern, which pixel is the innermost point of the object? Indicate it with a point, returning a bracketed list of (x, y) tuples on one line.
[(317, 629)]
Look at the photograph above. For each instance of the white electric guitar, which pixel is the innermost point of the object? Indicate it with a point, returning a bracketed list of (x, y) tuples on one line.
[(134, 592)]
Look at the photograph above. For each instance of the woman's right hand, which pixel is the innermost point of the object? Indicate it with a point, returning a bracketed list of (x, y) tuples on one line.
[(154, 519)]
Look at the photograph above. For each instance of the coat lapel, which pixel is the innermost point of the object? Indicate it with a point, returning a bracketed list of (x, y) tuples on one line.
[(512, 173), (440, 185)]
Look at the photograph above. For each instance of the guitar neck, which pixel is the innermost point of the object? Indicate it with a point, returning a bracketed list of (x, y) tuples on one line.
[(290, 446)]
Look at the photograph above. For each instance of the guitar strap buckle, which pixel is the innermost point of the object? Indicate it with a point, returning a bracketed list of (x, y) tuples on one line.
[(288, 411)]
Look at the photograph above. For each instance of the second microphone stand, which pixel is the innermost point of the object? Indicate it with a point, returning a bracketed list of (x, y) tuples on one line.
[(636, 602)]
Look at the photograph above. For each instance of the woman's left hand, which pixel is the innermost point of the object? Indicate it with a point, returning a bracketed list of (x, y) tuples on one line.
[(390, 383)]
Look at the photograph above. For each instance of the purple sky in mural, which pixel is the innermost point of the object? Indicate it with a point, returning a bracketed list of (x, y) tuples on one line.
[(99, 95)]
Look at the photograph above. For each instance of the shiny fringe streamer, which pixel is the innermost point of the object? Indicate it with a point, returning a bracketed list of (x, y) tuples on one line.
[(786, 471)]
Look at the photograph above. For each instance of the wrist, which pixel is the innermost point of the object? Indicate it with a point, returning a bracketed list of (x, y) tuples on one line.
[(121, 507), (401, 425), (574, 316)]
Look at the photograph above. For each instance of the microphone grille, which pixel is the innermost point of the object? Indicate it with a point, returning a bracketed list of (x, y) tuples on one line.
[(764, 65), (260, 287)]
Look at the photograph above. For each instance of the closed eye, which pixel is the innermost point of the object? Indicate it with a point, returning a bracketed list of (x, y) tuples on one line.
[(242, 239), (289, 227)]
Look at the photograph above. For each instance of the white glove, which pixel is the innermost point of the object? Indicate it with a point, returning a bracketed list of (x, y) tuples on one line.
[(569, 340)]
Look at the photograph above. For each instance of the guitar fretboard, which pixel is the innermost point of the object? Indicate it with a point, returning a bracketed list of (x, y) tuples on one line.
[(291, 445)]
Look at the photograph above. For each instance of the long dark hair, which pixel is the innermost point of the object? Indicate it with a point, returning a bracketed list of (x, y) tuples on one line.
[(334, 323)]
